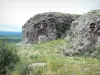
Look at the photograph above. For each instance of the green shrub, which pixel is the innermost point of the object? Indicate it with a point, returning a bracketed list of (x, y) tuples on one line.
[(62, 27), (8, 57), (98, 48), (23, 68), (96, 52), (92, 51)]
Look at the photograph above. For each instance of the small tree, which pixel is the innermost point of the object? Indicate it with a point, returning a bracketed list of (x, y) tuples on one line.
[(8, 57)]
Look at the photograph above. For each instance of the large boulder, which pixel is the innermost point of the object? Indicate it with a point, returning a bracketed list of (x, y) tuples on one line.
[(51, 25), (85, 32)]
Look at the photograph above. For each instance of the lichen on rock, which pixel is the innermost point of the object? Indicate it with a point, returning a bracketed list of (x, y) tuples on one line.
[(85, 31), (46, 27)]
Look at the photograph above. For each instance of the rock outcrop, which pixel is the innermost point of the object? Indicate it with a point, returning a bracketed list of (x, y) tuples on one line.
[(85, 32), (47, 26)]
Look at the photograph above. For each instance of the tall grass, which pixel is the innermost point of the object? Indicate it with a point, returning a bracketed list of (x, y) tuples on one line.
[(57, 63)]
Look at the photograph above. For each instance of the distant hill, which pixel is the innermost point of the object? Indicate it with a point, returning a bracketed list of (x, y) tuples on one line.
[(10, 34)]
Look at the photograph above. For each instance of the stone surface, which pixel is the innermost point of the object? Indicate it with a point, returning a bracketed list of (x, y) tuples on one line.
[(85, 31), (42, 38), (47, 26), (38, 65), (71, 52)]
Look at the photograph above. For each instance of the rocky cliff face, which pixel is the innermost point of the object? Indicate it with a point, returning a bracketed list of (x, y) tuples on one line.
[(85, 31), (47, 26)]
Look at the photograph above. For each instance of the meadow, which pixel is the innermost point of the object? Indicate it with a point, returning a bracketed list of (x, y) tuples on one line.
[(50, 58), (56, 62)]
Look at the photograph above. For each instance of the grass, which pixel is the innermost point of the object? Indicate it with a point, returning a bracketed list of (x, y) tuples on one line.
[(57, 63), (10, 39)]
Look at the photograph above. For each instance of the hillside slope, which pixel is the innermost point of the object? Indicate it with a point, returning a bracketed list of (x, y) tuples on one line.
[(57, 63)]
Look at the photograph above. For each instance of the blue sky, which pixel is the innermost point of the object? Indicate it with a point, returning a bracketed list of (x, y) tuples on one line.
[(14, 13)]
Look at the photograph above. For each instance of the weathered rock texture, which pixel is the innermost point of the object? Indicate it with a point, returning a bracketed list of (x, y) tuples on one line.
[(47, 26), (85, 31)]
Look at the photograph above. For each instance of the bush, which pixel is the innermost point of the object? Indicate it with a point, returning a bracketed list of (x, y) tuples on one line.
[(92, 51), (62, 27), (8, 57), (96, 52), (23, 68)]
